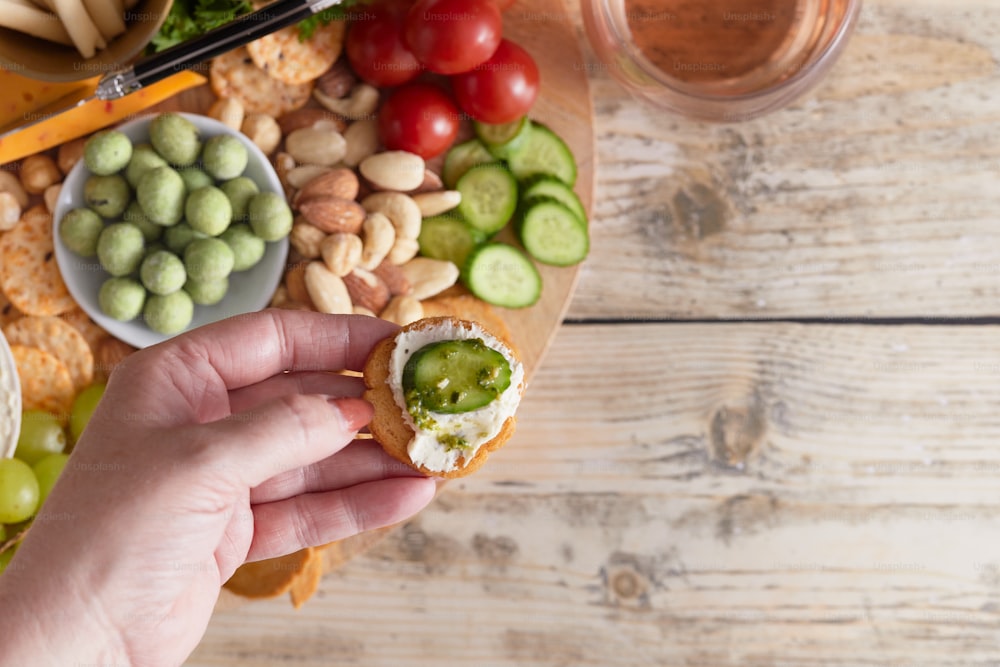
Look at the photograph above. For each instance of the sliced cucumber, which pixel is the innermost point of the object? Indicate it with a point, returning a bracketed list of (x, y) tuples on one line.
[(489, 197), (501, 140), (543, 152), (450, 238), (549, 186), (552, 234), (501, 274), (454, 376), (463, 157)]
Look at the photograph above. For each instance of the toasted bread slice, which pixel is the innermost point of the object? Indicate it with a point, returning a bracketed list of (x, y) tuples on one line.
[(390, 426)]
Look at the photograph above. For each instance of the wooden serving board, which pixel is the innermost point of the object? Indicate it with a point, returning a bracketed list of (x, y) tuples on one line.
[(545, 29)]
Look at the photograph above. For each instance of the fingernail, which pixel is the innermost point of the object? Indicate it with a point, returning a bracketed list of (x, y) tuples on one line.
[(355, 412)]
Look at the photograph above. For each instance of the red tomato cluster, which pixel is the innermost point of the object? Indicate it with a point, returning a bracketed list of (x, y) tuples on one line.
[(493, 79)]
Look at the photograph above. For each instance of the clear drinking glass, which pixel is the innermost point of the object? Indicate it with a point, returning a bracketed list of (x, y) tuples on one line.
[(720, 60)]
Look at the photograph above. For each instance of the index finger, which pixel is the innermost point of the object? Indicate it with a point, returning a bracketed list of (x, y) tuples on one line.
[(249, 348)]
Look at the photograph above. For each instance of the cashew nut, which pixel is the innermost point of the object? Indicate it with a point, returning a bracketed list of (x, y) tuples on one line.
[(379, 236), (361, 103), (402, 211)]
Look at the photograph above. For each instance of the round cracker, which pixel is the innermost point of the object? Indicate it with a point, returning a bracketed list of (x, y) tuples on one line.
[(307, 583), (8, 311), (469, 307), (91, 331), (58, 338), (29, 275), (269, 578), (45, 381), (283, 56), (234, 74)]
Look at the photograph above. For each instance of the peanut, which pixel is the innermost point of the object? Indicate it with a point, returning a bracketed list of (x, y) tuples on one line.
[(263, 130), (311, 145), (362, 140), (283, 164), (341, 252), (39, 172), (229, 111), (51, 197), (10, 183), (10, 211), (69, 154), (379, 236), (306, 239), (401, 210), (436, 203), (429, 276), (327, 290), (393, 170), (402, 310)]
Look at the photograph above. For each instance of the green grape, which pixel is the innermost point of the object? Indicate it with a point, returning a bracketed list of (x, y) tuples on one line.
[(41, 435), (5, 558), (3, 533), (47, 471), (83, 407), (18, 491)]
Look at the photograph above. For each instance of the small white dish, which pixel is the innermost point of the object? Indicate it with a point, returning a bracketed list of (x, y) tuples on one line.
[(10, 401), (249, 290)]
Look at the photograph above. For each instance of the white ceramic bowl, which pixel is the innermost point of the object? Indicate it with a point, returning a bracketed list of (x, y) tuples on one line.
[(249, 290), (10, 401)]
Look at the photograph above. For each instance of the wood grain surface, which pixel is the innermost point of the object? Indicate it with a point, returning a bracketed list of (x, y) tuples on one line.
[(735, 493)]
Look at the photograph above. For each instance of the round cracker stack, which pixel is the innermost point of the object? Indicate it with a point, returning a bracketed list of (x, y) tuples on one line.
[(45, 381), (235, 75), (58, 338), (29, 275), (290, 60), (389, 426)]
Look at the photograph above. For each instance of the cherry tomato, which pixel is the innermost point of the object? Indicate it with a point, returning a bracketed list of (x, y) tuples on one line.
[(503, 5), (375, 48), (500, 90), (419, 118), (452, 36)]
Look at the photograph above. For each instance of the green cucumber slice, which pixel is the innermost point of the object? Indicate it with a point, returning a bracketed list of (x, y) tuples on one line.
[(462, 157), (549, 186), (489, 197), (501, 140), (543, 152), (502, 275), (454, 376), (552, 234), (449, 238)]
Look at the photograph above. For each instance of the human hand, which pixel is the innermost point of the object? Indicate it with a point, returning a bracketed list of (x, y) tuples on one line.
[(211, 449)]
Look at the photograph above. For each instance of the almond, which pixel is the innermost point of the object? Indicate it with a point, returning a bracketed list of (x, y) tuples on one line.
[(438, 202), (429, 276), (333, 214), (394, 278), (327, 290), (432, 182), (307, 117), (338, 80), (334, 183), (400, 171), (367, 290), (316, 145)]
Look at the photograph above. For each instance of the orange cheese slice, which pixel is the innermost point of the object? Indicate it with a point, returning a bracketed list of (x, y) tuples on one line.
[(83, 119)]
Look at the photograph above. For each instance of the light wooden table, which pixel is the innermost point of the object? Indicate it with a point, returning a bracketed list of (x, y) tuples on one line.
[(769, 432)]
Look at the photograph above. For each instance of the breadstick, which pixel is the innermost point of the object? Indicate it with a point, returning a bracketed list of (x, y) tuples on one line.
[(106, 17), (81, 29), (32, 21)]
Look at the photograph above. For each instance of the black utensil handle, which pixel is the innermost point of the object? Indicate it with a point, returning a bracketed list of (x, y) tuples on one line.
[(242, 30)]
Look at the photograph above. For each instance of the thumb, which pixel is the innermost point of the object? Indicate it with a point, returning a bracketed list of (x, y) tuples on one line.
[(286, 433)]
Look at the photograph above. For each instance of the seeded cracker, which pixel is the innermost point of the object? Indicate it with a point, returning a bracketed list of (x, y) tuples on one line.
[(29, 275), (8, 311), (59, 339), (289, 60), (234, 74), (269, 578), (45, 381)]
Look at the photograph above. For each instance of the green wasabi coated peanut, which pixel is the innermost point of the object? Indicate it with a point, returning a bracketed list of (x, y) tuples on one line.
[(162, 272), (121, 298), (208, 210), (144, 158), (207, 260), (79, 231), (107, 195), (207, 293), (107, 152), (120, 248), (247, 247), (135, 215), (195, 178), (161, 195), (225, 157), (175, 138), (270, 217), (169, 313), (178, 237), (240, 191)]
